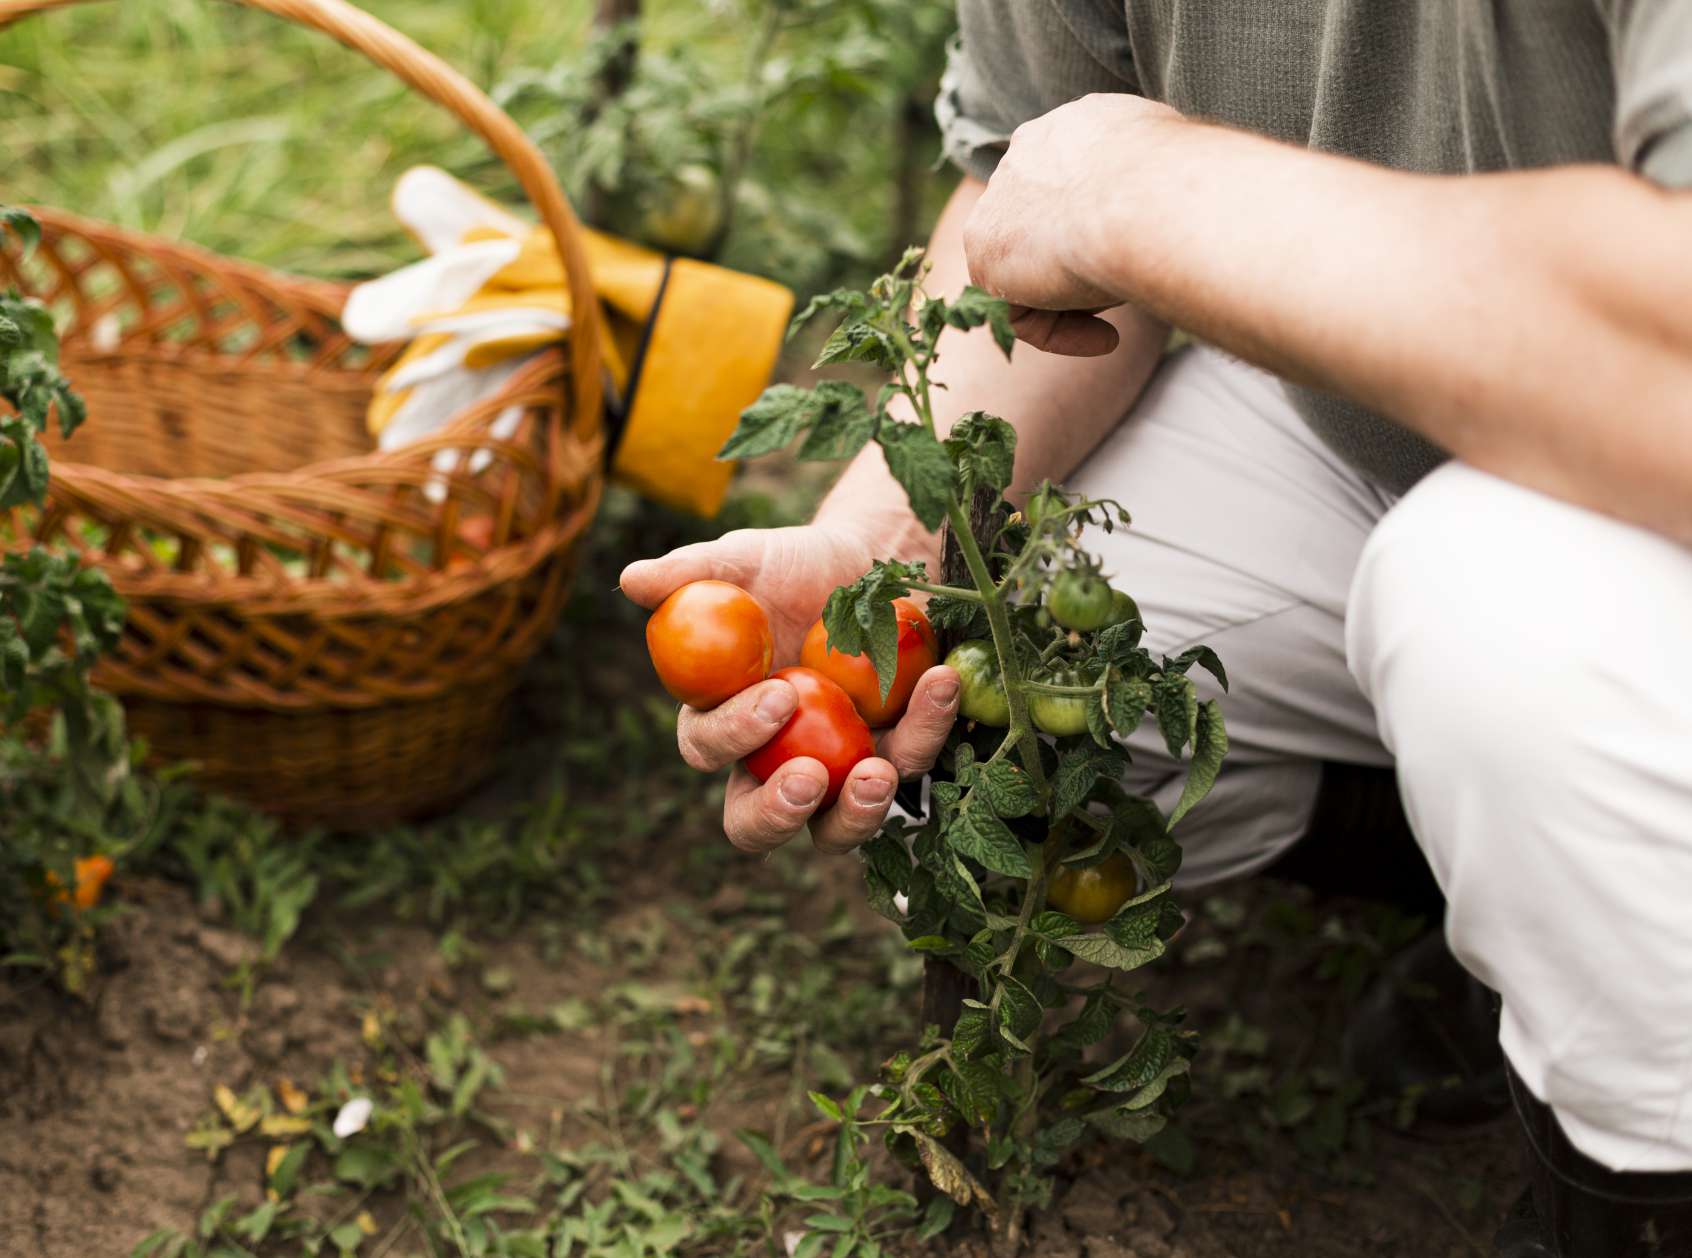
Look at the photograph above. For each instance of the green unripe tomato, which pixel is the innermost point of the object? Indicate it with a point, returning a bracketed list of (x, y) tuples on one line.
[(1062, 715), (1122, 608), (683, 216), (1044, 503), (983, 697), (1081, 601)]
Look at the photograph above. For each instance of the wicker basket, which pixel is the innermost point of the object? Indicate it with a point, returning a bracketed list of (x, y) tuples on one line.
[(329, 632)]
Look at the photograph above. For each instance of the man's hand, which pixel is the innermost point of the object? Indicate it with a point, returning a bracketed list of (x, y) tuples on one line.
[(1032, 238), (791, 572)]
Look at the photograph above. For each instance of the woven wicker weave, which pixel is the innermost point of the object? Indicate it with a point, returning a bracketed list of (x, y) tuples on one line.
[(327, 631)]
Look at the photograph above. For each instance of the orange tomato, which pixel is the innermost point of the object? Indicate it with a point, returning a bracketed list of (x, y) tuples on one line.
[(709, 640), (91, 875), (855, 674)]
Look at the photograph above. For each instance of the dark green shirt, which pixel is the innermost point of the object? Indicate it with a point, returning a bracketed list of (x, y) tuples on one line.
[(1438, 86)]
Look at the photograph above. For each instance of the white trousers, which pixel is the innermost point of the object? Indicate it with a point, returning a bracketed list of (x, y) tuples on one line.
[(1527, 665)]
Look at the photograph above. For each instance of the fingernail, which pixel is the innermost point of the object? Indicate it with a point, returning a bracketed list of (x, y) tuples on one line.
[(944, 693), (776, 705), (871, 791), (801, 791)]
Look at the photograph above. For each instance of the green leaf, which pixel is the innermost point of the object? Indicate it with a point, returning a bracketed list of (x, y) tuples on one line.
[(1089, 1027), (1210, 745), (984, 449), (958, 617), (843, 424), (1176, 704), (21, 223), (1205, 658), (855, 342), (988, 841), (1139, 1066), (973, 307), (1079, 772), (1138, 1126), (936, 1219), (1147, 1095), (848, 301), (281, 1180), (974, 1089), (1052, 1140), (1019, 1012), (920, 464), (970, 1032), (860, 620), (255, 1226), (1007, 790), (827, 1107), (1102, 949), (1125, 703), (770, 423), (836, 413), (765, 1152), (828, 1223)]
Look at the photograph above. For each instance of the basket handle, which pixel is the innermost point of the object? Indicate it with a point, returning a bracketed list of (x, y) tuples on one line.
[(434, 78)]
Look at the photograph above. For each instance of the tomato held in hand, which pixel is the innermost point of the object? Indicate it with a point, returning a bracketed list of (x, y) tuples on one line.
[(1094, 895), (709, 640), (1062, 715), (825, 727), (856, 675), (983, 698)]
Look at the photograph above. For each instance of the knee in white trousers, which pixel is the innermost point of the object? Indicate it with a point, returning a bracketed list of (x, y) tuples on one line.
[(1530, 665)]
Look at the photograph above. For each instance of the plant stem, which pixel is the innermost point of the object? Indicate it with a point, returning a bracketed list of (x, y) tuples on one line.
[(950, 591), (1010, 669)]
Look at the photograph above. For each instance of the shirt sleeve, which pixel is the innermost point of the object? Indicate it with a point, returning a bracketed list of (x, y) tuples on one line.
[(1014, 60), (1651, 46)]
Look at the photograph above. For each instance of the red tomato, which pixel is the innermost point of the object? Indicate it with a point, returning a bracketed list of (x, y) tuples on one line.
[(856, 675), (709, 640), (825, 727)]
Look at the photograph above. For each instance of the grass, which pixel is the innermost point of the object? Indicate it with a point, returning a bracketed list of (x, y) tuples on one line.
[(224, 126)]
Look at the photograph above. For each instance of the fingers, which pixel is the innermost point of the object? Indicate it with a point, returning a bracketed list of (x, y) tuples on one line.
[(760, 818), (1073, 333), (860, 810), (916, 741), (736, 727), (649, 581)]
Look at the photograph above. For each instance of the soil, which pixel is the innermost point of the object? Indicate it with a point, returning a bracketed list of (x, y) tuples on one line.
[(97, 1095)]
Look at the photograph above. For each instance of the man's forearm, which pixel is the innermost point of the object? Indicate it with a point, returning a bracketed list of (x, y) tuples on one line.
[(1061, 407), (1535, 324)]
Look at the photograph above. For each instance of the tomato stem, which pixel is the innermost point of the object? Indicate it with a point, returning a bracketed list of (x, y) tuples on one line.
[(950, 591)]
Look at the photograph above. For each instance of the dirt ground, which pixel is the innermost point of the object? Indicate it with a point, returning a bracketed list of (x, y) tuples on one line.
[(685, 984), (98, 1097)]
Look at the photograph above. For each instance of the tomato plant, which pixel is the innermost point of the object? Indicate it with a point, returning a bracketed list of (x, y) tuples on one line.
[(709, 640), (56, 618), (825, 727), (1030, 853), (856, 675)]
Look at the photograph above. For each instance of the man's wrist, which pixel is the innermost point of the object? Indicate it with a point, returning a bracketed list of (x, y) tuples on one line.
[(1121, 192)]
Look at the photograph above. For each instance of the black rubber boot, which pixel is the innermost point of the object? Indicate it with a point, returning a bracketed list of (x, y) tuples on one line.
[(1580, 1209), (1426, 1027)]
